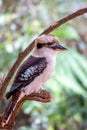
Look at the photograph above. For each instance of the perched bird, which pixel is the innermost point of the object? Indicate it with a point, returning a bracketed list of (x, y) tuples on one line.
[(37, 69), (31, 75)]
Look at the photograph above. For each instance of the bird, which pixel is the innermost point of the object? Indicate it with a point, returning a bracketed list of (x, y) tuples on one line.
[(38, 67), (32, 74)]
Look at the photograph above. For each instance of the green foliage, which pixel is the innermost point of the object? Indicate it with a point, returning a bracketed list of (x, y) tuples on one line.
[(66, 32)]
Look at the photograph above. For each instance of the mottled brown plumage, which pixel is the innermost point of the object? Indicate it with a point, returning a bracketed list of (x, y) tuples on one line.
[(38, 64), (38, 68)]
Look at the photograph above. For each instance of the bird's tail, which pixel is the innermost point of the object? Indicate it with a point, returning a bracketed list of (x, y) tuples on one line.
[(8, 95), (11, 111)]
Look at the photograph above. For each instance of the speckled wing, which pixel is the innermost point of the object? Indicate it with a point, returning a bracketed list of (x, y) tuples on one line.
[(27, 72)]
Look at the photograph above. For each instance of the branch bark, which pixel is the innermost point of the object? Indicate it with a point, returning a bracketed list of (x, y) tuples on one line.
[(30, 47), (13, 108)]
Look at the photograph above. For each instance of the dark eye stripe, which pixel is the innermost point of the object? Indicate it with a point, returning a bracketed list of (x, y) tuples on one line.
[(40, 45)]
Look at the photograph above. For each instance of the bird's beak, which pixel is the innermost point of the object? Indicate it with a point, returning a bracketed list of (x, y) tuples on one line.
[(58, 47)]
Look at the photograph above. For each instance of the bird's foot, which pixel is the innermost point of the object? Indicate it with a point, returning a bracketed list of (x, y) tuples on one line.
[(40, 90), (41, 96)]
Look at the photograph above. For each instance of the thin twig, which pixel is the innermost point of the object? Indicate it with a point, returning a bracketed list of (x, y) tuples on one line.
[(30, 47)]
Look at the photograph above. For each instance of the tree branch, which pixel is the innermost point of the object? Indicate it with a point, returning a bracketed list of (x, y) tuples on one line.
[(30, 47), (9, 115)]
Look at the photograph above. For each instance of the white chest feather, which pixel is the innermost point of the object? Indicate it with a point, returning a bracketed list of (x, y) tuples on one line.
[(49, 70), (37, 83)]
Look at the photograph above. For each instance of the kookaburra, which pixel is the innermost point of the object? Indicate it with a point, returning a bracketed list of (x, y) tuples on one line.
[(37, 69)]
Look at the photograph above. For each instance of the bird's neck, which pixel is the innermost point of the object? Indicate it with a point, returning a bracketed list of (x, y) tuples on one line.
[(49, 54)]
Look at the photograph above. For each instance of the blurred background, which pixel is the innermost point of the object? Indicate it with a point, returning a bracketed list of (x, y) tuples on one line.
[(20, 22)]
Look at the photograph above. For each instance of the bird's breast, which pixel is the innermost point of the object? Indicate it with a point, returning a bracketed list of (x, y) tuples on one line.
[(48, 71), (36, 84)]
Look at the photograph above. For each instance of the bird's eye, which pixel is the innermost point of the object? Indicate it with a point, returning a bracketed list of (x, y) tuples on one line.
[(39, 45)]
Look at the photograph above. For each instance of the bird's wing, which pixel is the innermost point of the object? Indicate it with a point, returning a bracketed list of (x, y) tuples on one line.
[(27, 72)]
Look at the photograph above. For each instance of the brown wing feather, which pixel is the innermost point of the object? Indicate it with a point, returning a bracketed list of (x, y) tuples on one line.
[(27, 72)]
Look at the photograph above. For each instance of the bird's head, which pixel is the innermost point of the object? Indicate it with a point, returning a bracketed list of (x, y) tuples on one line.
[(48, 42)]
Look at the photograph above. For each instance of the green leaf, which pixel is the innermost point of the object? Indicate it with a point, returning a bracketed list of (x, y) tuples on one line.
[(66, 32)]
